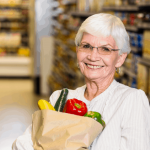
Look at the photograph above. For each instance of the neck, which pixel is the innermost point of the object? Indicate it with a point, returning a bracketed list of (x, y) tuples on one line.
[(94, 88)]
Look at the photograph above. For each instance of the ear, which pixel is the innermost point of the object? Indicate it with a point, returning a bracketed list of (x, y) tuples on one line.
[(121, 60), (76, 49)]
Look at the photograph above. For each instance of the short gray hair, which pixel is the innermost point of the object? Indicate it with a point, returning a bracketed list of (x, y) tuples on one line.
[(103, 24)]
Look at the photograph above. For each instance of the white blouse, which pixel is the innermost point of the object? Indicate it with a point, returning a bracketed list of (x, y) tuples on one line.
[(125, 110)]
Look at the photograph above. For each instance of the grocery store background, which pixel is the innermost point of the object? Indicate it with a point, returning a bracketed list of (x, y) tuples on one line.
[(37, 53)]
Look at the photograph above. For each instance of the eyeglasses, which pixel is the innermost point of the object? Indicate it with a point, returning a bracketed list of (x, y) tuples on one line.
[(85, 47)]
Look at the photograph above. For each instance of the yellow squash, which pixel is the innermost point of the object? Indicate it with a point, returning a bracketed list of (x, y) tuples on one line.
[(43, 104)]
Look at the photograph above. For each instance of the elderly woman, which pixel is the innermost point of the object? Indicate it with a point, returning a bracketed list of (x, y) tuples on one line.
[(102, 45)]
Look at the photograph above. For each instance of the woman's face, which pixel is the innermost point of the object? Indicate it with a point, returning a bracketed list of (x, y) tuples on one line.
[(94, 65)]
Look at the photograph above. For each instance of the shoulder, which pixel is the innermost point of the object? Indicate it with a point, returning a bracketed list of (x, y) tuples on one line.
[(125, 91), (71, 94), (131, 97), (128, 95)]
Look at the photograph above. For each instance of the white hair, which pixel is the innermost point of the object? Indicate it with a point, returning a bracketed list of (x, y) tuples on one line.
[(103, 24)]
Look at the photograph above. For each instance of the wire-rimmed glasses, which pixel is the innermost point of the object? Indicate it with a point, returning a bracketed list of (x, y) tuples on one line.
[(104, 50)]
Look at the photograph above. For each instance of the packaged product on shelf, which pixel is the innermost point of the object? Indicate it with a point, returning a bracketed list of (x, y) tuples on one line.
[(109, 3), (139, 41), (124, 81), (83, 5), (112, 2), (2, 52), (135, 62), (146, 17), (140, 17), (120, 2), (23, 51), (142, 78), (118, 14), (10, 2), (132, 2), (10, 13), (133, 38), (96, 5), (128, 61), (134, 83), (129, 81), (146, 44), (124, 18), (74, 23), (10, 39), (25, 3), (132, 19)]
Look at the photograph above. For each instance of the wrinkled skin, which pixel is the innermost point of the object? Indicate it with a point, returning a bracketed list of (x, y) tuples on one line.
[(98, 79)]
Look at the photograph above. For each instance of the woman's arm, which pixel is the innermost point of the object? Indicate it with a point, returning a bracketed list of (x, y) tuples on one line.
[(135, 124), (24, 142)]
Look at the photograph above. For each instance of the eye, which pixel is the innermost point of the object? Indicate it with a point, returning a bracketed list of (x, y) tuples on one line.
[(105, 49), (86, 46)]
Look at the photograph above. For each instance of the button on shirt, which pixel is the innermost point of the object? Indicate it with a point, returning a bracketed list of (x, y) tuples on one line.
[(126, 112)]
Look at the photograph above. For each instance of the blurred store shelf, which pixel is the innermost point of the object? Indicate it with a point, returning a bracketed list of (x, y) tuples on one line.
[(81, 14), (144, 25), (134, 49), (14, 7), (129, 72), (69, 2), (15, 66), (122, 8), (131, 28), (144, 4), (144, 61)]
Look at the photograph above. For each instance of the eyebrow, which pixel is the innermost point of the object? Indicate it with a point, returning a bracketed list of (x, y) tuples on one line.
[(98, 46)]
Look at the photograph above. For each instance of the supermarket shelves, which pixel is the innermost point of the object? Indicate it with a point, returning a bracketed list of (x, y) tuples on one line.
[(134, 49), (129, 72), (67, 2), (81, 14), (15, 60), (13, 19), (144, 4), (144, 25), (15, 66), (131, 28), (14, 7), (73, 28), (122, 8), (144, 61)]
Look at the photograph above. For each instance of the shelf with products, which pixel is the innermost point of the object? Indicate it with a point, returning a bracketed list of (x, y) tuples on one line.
[(122, 8), (15, 66), (81, 14), (134, 49), (68, 2), (14, 38), (13, 7), (144, 61), (75, 18), (129, 72), (65, 63), (135, 28)]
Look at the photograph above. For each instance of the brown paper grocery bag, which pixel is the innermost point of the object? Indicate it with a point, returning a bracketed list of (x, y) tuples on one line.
[(52, 130)]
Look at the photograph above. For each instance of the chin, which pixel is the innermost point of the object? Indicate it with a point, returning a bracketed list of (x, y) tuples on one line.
[(92, 78)]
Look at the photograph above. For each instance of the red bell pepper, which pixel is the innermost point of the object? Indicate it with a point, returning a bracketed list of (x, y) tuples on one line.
[(76, 107)]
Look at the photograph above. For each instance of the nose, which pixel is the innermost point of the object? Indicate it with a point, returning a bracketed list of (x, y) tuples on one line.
[(94, 55)]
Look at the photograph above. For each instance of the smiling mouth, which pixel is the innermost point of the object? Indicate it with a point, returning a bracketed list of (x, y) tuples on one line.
[(93, 67)]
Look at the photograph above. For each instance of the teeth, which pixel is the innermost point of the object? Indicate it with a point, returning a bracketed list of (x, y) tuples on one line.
[(93, 67)]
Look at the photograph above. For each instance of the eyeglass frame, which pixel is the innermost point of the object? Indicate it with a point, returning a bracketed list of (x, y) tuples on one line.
[(100, 47)]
